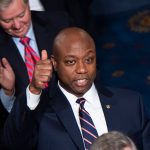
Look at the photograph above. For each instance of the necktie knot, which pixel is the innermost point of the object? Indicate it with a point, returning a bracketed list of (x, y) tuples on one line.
[(25, 41), (81, 101)]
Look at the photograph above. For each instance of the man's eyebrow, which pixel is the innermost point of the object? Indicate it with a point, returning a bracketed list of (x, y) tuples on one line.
[(68, 56)]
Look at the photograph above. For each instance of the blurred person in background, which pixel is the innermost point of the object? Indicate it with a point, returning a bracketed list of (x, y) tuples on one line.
[(18, 22), (113, 140)]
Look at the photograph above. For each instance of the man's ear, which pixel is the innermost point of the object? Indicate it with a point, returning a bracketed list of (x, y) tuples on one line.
[(53, 62)]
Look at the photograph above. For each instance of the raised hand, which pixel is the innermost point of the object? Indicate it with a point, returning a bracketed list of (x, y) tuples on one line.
[(42, 73), (7, 77)]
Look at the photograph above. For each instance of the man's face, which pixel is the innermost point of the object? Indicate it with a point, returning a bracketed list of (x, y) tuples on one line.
[(76, 65), (16, 18)]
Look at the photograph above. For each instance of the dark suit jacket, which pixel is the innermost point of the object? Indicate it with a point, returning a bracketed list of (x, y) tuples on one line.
[(52, 126), (46, 26), (77, 10)]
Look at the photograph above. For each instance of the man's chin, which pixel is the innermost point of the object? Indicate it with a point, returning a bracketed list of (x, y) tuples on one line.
[(81, 91), (18, 35)]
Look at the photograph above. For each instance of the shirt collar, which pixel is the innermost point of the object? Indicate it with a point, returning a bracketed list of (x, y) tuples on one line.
[(30, 33), (91, 95)]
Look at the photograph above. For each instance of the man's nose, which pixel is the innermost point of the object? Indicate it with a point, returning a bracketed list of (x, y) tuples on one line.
[(81, 67), (16, 23)]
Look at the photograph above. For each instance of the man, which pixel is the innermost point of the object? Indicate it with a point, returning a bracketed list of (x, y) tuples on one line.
[(113, 140), (16, 21), (49, 119)]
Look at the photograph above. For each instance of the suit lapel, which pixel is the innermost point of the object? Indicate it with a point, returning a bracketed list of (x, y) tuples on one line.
[(109, 104), (65, 114), (10, 51), (108, 109)]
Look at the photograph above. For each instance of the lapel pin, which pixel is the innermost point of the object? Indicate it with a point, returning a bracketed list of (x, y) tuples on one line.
[(108, 106)]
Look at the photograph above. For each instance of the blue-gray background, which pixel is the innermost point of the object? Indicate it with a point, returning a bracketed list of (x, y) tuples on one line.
[(122, 35)]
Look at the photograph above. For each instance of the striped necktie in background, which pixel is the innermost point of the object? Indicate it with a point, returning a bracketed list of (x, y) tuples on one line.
[(87, 126), (30, 56)]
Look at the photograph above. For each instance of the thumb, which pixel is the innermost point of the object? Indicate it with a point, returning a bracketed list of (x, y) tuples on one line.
[(44, 55), (5, 63)]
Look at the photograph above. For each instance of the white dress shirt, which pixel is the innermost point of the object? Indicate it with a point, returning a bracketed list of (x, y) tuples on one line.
[(32, 43), (92, 105)]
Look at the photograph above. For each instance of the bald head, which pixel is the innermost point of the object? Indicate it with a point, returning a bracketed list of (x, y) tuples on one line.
[(74, 60), (69, 36)]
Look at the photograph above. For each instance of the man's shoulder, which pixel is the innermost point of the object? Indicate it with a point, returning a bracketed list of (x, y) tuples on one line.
[(119, 93), (3, 36), (125, 96), (119, 90)]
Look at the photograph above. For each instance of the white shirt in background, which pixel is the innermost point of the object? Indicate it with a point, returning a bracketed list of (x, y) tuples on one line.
[(36, 5)]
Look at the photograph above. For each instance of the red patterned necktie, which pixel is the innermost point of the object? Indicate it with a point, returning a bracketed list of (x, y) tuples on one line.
[(87, 126), (30, 56)]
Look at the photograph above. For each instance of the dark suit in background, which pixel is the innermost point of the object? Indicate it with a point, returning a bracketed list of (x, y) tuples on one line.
[(3, 117), (77, 10), (123, 110)]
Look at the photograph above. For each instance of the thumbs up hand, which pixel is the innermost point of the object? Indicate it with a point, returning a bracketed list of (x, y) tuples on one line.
[(42, 73)]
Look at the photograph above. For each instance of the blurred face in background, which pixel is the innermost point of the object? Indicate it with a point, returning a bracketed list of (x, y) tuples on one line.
[(16, 18)]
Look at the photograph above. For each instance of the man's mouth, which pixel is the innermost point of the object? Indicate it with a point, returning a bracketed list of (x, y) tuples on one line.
[(81, 82), (19, 30)]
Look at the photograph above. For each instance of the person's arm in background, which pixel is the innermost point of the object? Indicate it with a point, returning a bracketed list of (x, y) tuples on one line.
[(21, 128), (7, 83)]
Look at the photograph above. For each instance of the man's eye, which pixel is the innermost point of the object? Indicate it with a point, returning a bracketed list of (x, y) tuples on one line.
[(7, 21), (70, 62), (89, 60), (21, 15)]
